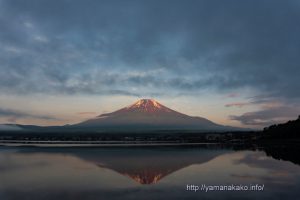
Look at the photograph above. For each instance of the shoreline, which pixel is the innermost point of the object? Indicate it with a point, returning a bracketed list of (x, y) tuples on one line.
[(116, 143), (95, 144)]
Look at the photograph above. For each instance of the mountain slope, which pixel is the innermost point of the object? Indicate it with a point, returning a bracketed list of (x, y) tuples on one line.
[(150, 114), (10, 127)]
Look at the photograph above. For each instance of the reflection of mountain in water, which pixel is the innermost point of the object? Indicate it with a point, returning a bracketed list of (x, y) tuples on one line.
[(284, 152), (150, 166), (144, 165)]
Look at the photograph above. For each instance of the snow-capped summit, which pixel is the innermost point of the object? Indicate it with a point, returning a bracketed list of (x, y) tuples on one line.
[(144, 103), (147, 105)]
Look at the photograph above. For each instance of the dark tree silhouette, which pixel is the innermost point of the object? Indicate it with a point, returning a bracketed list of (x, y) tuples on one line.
[(288, 130)]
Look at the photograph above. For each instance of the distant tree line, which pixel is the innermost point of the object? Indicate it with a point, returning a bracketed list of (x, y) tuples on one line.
[(288, 130)]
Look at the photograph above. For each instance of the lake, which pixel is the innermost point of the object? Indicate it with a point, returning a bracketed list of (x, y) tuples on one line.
[(174, 172)]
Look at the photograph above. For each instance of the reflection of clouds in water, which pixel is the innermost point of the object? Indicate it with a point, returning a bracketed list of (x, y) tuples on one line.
[(8, 162), (260, 160), (103, 194), (54, 171), (280, 172), (216, 171)]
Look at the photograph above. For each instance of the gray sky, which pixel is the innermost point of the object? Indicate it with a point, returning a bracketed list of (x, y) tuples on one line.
[(235, 62)]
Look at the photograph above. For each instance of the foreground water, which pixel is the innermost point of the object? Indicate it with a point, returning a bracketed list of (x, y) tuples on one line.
[(197, 172)]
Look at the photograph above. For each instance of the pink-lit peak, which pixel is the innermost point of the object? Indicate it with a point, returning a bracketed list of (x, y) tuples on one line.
[(148, 105)]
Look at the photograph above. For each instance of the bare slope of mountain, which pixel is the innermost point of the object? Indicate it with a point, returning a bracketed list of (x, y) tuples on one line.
[(10, 127), (149, 114)]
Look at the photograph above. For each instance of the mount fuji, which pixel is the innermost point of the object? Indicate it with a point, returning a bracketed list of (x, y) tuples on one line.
[(148, 114)]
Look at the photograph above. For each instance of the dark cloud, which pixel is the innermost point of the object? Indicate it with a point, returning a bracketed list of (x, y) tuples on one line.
[(14, 115), (268, 116), (243, 44)]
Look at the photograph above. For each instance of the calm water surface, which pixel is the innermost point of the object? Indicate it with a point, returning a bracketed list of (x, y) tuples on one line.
[(145, 173)]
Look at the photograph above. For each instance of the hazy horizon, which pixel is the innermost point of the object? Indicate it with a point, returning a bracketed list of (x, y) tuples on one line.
[(235, 63)]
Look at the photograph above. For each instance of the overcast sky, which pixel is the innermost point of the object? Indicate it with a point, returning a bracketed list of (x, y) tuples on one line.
[(235, 62)]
